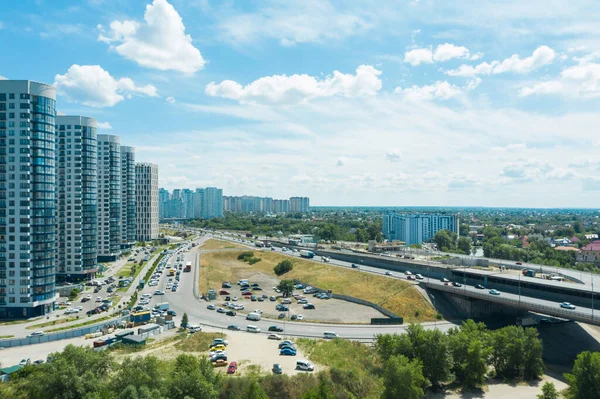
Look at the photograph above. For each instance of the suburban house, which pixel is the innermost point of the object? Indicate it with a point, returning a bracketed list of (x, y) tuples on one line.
[(590, 252)]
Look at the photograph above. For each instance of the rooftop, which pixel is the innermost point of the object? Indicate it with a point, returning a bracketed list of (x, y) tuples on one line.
[(592, 246)]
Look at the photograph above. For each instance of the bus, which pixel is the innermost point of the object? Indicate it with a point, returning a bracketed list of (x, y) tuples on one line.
[(172, 272), (188, 267)]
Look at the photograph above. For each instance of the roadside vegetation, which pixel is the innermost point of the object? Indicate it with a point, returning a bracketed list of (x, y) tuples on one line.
[(219, 244), (197, 342), (410, 366), (400, 297)]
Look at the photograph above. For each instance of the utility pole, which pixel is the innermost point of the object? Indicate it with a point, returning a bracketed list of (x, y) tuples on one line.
[(520, 288), (435, 319)]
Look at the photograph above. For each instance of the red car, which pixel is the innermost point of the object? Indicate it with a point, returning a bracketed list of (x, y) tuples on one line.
[(224, 292), (232, 367)]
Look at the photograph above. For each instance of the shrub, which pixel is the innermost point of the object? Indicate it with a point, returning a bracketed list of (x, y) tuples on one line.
[(244, 256), (252, 261), (283, 267)]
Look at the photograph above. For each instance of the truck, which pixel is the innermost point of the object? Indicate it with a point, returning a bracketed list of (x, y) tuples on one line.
[(188, 267), (140, 317), (259, 244), (307, 254), (528, 272), (162, 306), (526, 321)]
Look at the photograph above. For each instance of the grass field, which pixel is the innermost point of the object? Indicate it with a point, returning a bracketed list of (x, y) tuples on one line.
[(126, 270), (395, 295), (352, 361), (197, 342), (6, 336), (80, 324), (219, 244), (12, 322)]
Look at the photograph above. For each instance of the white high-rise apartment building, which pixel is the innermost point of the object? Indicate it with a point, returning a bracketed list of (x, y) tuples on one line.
[(128, 230), (109, 197), (77, 201), (146, 175), (27, 198)]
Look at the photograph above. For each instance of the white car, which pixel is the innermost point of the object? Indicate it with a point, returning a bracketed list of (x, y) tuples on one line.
[(36, 334), (235, 298), (300, 317), (258, 311), (213, 353), (99, 299), (238, 307), (275, 337), (408, 273), (71, 311), (195, 328), (419, 276)]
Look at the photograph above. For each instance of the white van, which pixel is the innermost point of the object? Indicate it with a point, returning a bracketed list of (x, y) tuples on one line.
[(252, 329), (286, 301), (304, 365), (195, 328), (253, 316), (330, 335), (244, 281)]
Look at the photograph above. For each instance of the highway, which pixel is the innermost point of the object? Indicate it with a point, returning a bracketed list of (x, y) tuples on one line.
[(551, 308), (184, 301)]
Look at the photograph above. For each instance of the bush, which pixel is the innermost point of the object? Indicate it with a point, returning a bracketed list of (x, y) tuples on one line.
[(244, 256), (252, 261), (283, 267)]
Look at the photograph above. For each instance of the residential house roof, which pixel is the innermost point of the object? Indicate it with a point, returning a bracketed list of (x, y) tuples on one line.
[(563, 248), (592, 246), (574, 239)]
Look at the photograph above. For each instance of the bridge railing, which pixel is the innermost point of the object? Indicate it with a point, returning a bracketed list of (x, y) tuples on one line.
[(519, 303)]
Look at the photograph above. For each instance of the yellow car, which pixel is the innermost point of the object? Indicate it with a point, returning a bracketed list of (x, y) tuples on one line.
[(217, 348), (220, 363)]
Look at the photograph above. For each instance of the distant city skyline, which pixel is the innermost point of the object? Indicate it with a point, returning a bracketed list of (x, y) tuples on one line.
[(408, 103)]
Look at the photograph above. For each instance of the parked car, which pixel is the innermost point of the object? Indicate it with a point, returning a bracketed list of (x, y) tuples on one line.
[(287, 352), (195, 328), (212, 306), (277, 369), (274, 337), (219, 363), (494, 292), (286, 343), (25, 362), (230, 313), (309, 306), (276, 329), (219, 341), (281, 316), (232, 368), (304, 365), (221, 310), (272, 299), (171, 312), (567, 305), (159, 292)]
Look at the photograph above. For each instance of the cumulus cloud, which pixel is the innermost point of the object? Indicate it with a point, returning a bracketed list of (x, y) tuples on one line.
[(104, 125), (443, 52), (298, 88), (541, 56), (170, 99), (439, 90), (93, 86), (160, 42), (3, 77), (534, 170), (582, 80), (393, 155)]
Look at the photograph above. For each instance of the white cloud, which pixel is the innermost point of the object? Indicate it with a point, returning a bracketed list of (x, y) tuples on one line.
[(582, 80), (432, 175), (476, 56), (104, 125), (159, 43), (298, 88), (439, 90), (418, 56), (170, 99), (289, 23), (448, 51), (443, 52), (541, 56), (393, 155), (534, 171), (93, 86), (3, 77)]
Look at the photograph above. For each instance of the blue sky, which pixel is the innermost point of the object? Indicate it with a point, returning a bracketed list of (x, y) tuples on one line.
[(347, 102)]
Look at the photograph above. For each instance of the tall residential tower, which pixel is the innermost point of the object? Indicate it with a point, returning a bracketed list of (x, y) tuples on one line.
[(27, 198), (77, 200), (146, 186), (128, 229), (109, 198)]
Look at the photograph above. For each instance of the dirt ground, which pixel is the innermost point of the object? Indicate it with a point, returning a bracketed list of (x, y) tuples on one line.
[(329, 310), (253, 353)]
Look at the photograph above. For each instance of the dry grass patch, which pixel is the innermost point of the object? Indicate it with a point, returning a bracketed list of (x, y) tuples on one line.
[(197, 342), (395, 295), (219, 244)]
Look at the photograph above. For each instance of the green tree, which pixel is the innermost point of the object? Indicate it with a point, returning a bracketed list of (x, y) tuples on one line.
[(138, 372), (286, 287), (475, 366), (584, 379), (322, 391), (194, 378), (464, 244), (184, 320), (548, 391), (403, 378), (255, 391), (471, 352), (517, 352), (283, 267)]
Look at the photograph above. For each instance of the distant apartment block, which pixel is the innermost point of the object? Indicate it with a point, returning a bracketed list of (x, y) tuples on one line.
[(146, 201), (416, 228), (250, 204), (27, 198), (299, 204), (204, 203), (128, 202), (77, 197), (109, 198)]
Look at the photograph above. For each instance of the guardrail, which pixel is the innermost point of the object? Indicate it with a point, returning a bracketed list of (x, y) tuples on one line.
[(519, 303)]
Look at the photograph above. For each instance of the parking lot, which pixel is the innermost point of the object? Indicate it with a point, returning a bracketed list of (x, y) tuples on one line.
[(330, 310)]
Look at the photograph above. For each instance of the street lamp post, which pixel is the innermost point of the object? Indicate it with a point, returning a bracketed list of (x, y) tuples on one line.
[(592, 299), (519, 288)]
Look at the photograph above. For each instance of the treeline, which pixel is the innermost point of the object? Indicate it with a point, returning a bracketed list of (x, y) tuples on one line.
[(330, 228), (538, 251), (466, 355)]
